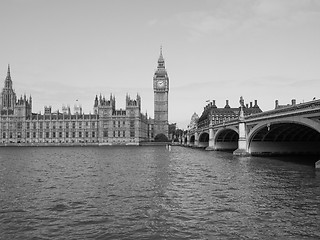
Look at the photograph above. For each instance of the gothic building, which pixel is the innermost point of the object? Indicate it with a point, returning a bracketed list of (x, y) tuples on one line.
[(106, 126), (161, 91)]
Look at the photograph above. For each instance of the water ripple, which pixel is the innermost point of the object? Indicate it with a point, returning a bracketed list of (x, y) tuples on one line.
[(151, 193)]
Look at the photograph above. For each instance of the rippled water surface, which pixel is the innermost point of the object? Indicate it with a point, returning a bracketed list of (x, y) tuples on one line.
[(153, 193)]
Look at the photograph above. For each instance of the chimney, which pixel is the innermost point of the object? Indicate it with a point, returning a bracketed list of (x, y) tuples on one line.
[(250, 104), (227, 104), (214, 103), (255, 103), (277, 104), (293, 102), (247, 105)]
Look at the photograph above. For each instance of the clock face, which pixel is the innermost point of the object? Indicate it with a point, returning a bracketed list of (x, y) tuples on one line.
[(160, 84)]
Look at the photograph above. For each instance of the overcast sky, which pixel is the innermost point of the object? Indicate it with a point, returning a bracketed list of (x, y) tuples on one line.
[(63, 50)]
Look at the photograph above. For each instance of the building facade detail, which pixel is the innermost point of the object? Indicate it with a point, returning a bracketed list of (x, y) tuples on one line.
[(106, 126), (161, 92)]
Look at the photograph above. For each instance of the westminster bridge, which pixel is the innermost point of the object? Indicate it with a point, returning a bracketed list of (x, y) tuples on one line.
[(293, 129)]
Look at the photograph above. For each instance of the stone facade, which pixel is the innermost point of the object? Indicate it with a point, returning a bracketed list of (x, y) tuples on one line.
[(106, 126), (219, 115)]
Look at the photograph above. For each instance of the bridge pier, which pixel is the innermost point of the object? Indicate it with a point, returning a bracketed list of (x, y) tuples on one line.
[(196, 139), (317, 165), (211, 146), (243, 141)]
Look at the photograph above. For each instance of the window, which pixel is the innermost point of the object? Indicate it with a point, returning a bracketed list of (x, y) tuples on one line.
[(118, 124), (28, 134), (47, 134), (67, 134), (73, 134), (118, 133), (60, 134), (47, 125), (28, 125), (4, 135), (67, 125), (132, 134), (80, 125), (93, 124), (87, 134), (41, 125), (114, 133), (73, 125), (80, 134), (40, 135), (124, 133), (93, 134), (34, 135), (53, 134), (34, 125), (105, 133)]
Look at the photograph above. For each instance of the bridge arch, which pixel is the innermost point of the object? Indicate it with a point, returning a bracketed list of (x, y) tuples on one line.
[(204, 139), (185, 140), (286, 137), (160, 138), (226, 139), (192, 139)]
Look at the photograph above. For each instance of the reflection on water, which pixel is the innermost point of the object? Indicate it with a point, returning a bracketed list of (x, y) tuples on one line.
[(151, 193)]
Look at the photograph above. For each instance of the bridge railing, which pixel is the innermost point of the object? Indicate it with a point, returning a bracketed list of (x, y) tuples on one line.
[(226, 123)]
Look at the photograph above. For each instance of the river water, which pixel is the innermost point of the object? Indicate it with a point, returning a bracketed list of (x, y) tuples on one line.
[(153, 193)]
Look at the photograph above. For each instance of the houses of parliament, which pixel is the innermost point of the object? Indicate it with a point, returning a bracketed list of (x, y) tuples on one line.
[(105, 126)]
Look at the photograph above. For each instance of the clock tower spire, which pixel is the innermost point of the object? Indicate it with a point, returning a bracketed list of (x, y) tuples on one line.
[(161, 91)]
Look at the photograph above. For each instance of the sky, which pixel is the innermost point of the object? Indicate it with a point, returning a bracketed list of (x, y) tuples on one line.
[(62, 51)]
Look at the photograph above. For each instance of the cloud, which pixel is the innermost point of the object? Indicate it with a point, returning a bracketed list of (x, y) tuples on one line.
[(152, 22), (229, 17)]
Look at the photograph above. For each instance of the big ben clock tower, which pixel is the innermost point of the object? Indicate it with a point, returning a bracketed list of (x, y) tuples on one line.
[(161, 90)]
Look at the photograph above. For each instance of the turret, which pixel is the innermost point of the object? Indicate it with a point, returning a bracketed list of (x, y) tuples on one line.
[(8, 81), (8, 96), (47, 110), (96, 102)]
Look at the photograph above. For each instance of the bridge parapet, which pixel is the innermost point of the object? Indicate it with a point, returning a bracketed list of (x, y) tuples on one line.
[(203, 129), (226, 124)]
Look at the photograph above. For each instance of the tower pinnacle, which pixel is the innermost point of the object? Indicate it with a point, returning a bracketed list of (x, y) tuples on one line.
[(8, 73), (161, 59)]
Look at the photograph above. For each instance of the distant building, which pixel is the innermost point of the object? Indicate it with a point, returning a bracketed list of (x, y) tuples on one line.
[(277, 105), (194, 121), (106, 126), (219, 115)]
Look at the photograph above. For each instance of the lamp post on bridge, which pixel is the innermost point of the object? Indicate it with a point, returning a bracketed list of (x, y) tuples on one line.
[(242, 142)]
